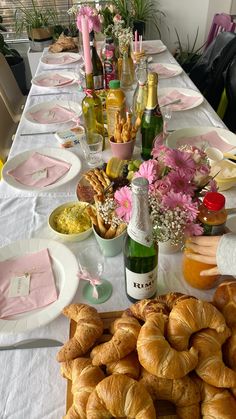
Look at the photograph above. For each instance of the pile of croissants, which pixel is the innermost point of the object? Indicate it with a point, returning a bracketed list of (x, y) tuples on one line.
[(174, 347)]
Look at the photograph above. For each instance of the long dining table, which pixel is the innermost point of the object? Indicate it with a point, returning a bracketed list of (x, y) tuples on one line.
[(31, 386)]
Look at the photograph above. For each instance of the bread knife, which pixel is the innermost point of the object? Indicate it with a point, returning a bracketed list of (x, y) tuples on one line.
[(32, 343)]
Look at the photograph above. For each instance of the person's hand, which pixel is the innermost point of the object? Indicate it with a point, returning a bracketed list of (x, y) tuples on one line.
[(204, 248)]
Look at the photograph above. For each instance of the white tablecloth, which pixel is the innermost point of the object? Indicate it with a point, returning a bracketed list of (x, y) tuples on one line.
[(30, 383)]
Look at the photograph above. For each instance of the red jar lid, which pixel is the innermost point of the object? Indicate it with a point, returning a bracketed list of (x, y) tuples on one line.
[(214, 201)]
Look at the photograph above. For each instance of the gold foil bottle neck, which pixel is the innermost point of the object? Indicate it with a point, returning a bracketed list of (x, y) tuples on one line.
[(152, 78)]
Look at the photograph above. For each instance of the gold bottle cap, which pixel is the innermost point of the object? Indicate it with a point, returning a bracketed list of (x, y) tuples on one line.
[(152, 78)]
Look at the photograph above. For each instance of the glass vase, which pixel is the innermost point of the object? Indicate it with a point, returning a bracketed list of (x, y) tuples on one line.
[(126, 71)]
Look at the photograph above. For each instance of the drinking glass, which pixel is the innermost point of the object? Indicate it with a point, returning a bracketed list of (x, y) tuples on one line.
[(91, 265), (92, 147)]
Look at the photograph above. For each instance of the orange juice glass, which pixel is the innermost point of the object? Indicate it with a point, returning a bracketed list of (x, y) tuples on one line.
[(191, 271)]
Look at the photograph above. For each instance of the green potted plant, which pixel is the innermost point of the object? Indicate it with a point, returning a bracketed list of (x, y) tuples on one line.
[(14, 60), (143, 11), (187, 55), (38, 21)]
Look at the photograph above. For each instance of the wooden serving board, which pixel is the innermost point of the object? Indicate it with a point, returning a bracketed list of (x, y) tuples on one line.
[(165, 409)]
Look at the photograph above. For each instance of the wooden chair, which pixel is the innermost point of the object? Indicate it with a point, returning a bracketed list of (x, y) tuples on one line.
[(221, 23), (7, 130), (10, 91)]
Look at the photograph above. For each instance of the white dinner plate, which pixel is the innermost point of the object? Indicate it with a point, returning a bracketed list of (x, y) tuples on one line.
[(187, 92), (60, 58), (226, 135), (174, 68), (65, 268), (50, 79), (231, 223), (156, 47), (57, 153), (46, 108)]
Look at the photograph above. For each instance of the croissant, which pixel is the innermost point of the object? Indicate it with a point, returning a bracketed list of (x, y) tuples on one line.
[(229, 349), (120, 396), (143, 307), (89, 328), (129, 365), (155, 353), (225, 300), (183, 392), (211, 367), (126, 330), (84, 377), (216, 403), (172, 298), (189, 316)]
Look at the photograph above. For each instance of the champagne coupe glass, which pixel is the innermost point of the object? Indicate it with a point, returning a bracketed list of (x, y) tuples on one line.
[(97, 290)]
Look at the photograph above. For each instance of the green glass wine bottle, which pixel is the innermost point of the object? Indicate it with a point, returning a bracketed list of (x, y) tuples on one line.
[(152, 121), (98, 78), (92, 109), (140, 253)]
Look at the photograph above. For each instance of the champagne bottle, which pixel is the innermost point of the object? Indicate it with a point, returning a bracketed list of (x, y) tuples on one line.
[(140, 253), (97, 65), (152, 121), (92, 109)]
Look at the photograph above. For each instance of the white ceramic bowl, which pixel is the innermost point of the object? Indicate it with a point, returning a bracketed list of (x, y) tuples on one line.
[(69, 237)]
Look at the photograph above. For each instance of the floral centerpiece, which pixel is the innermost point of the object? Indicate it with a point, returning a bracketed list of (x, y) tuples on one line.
[(92, 14), (177, 181)]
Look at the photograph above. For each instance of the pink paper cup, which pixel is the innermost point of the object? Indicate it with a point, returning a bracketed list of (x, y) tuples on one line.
[(123, 151)]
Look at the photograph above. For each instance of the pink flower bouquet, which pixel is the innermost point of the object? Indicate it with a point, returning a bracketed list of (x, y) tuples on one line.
[(94, 22), (177, 181)]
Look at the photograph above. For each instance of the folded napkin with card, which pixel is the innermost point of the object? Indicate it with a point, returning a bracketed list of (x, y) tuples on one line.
[(210, 139), (186, 101), (26, 283), (39, 170), (53, 80), (52, 115), (162, 70)]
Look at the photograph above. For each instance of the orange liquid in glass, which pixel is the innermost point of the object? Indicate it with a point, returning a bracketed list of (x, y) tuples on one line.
[(191, 272)]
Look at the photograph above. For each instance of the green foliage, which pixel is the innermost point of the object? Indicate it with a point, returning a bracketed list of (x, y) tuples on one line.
[(188, 55), (4, 48), (34, 17), (123, 8)]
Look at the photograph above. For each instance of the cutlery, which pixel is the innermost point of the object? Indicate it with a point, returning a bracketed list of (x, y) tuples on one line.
[(48, 94), (32, 343), (173, 102), (28, 134)]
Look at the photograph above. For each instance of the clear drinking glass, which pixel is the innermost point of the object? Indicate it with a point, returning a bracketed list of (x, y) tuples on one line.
[(92, 147), (91, 265)]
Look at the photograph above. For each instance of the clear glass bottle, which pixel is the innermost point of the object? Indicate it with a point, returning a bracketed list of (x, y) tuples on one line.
[(141, 91), (213, 216), (127, 72), (152, 121), (92, 109), (98, 78), (140, 253)]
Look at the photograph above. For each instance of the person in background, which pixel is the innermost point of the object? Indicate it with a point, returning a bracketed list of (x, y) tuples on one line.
[(215, 250)]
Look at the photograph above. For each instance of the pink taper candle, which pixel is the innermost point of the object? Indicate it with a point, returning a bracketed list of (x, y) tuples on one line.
[(136, 41), (86, 45)]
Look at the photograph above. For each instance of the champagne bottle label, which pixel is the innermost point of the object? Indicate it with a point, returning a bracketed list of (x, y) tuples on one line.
[(140, 236), (140, 286), (98, 82)]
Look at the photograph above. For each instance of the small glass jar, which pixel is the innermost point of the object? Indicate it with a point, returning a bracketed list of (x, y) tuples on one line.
[(212, 215)]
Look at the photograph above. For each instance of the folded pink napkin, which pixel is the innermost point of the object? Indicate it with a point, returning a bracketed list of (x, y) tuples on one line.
[(186, 101), (39, 170), (151, 49), (53, 80), (65, 59), (162, 70), (210, 139), (42, 289), (53, 115)]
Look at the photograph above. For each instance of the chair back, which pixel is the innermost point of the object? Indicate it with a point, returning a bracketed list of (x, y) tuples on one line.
[(221, 22), (10, 91), (7, 129), (230, 88), (207, 73)]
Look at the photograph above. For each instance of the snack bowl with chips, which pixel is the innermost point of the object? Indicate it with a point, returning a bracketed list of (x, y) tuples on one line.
[(71, 221)]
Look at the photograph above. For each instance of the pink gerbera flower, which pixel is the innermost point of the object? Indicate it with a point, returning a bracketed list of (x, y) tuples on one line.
[(180, 200), (180, 161), (148, 170), (94, 23), (181, 183), (124, 202)]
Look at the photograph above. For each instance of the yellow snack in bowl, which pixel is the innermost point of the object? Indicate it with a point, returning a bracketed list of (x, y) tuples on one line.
[(72, 220)]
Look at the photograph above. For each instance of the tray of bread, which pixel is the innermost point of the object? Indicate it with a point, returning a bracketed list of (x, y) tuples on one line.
[(170, 357)]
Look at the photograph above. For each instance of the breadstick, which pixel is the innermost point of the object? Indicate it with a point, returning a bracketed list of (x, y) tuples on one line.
[(110, 234), (92, 215), (121, 227), (100, 177), (117, 131)]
